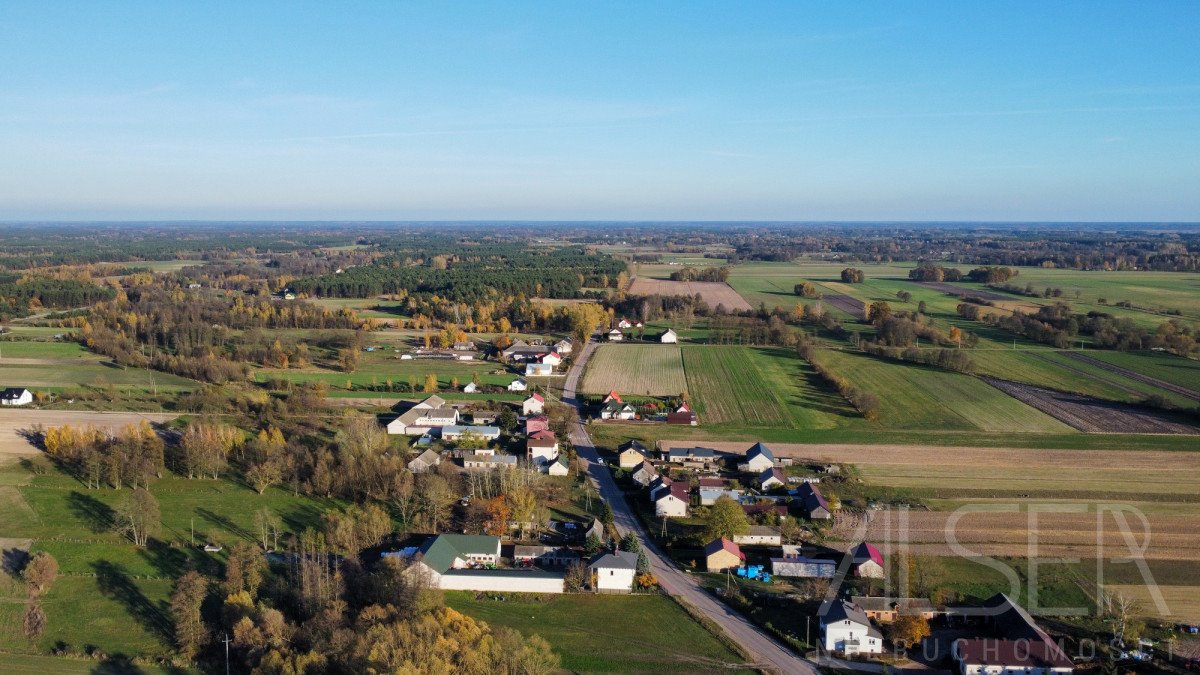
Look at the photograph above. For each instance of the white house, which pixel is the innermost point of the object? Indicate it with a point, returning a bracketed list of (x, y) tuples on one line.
[(559, 467), (672, 502), (553, 359), (770, 479), (563, 347), (518, 385), (669, 337), (615, 335), (432, 413), (866, 561), (617, 410), (538, 369), (845, 628), (542, 447), (16, 396), (624, 323), (446, 562), (759, 458), (613, 572), (534, 405), (471, 388)]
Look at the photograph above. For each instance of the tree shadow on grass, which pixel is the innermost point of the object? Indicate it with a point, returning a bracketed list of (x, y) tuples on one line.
[(94, 513), (116, 583), (302, 518), (13, 560), (223, 522), (173, 561)]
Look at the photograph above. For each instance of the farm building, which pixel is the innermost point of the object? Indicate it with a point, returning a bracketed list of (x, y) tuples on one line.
[(644, 474), (669, 337), (703, 458), (845, 628), (886, 610), (685, 418), (538, 369), (534, 405), (444, 552), (471, 388), (759, 535), (454, 432), (710, 495), (813, 502), (536, 423), (16, 396), (517, 385), (672, 503), (613, 572), (631, 453), (559, 467), (484, 462), (544, 556), (425, 461), (484, 417), (466, 346), (523, 351), (802, 567), (432, 413), (866, 561), (771, 479), (563, 347), (1024, 647), (506, 580), (759, 458), (552, 359), (722, 554)]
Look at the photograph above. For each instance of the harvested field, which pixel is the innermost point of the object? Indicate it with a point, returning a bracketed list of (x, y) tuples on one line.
[(713, 292), (852, 306), (1183, 602), (640, 370), (1093, 415), (15, 424), (1134, 375), (963, 292)]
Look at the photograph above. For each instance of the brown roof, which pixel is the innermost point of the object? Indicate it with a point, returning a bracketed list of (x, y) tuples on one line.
[(1011, 653), (723, 544)]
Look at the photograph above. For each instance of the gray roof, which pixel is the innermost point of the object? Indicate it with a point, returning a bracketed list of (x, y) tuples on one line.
[(833, 611), (700, 453), (621, 560), (760, 449)]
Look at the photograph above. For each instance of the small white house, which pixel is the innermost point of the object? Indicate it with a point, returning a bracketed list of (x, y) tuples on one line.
[(615, 335), (538, 370), (563, 347), (672, 502), (471, 388), (759, 535), (559, 467), (553, 359), (669, 337), (845, 628), (518, 385), (759, 458), (534, 405), (613, 572), (16, 396)]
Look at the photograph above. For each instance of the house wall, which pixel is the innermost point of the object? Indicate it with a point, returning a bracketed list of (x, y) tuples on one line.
[(614, 580), (870, 570), (837, 634), (758, 539), (525, 583), (672, 507), (722, 560)]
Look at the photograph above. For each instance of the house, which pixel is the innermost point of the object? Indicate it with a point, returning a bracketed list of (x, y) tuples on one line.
[(613, 572), (845, 628), (517, 385), (809, 497), (615, 335), (467, 346), (552, 359), (544, 556), (485, 462), (803, 567), (559, 467), (673, 502), (644, 474), (612, 396), (425, 461), (616, 410), (454, 432), (771, 478), (563, 347), (432, 413), (866, 561), (886, 610), (696, 458), (658, 485), (471, 388), (722, 554), (442, 553), (536, 423), (759, 458), (710, 495), (759, 535), (631, 453), (534, 405), (682, 415), (523, 351), (16, 396), (1024, 647), (538, 370), (669, 337), (484, 417), (542, 447)]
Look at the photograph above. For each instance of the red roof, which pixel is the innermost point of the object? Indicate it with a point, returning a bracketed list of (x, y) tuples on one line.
[(681, 490), (613, 396), (713, 482), (538, 398), (723, 544), (544, 435), (683, 407), (864, 552)]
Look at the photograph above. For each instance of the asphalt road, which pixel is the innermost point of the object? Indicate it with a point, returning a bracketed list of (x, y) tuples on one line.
[(767, 654)]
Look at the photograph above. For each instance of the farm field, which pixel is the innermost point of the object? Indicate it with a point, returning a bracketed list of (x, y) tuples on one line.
[(714, 292), (913, 396), (1189, 391), (44, 349), (89, 373), (367, 308), (13, 424), (637, 369), (1176, 370), (376, 368), (1095, 416), (600, 633)]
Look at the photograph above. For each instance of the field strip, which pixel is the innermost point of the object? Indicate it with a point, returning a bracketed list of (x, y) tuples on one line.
[(1093, 415), (15, 424), (1134, 375), (1182, 601), (712, 292)]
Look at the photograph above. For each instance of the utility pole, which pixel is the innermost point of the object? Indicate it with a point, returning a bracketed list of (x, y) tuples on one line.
[(227, 641)]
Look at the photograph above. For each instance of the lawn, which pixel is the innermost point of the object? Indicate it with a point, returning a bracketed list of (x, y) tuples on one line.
[(913, 397), (636, 369), (602, 633)]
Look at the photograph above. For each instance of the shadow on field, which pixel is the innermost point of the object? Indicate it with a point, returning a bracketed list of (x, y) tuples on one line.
[(173, 561), (116, 583), (13, 560), (94, 513), (223, 522)]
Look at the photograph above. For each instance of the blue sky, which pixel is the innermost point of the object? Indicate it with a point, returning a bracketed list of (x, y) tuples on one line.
[(569, 110)]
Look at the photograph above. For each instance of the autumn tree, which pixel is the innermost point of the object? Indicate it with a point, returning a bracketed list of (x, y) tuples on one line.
[(33, 621), (206, 447), (138, 517), (499, 513), (725, 518), (878, 312), (268, 525), (244, 570), (40, 572), (431, 383), (186, 601), (909, 630)]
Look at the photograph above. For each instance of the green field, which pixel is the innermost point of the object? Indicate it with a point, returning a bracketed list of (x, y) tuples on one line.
[(637, 369), (1166, 367), (89, 373), (369, 308), (606, 634), (376, 368), (31, 349)]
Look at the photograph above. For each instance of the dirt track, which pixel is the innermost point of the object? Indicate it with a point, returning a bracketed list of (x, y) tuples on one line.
[(713, 292), (16, 422), (852, 306), (1134, 375), (1093, 415), (962, 292)]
